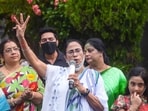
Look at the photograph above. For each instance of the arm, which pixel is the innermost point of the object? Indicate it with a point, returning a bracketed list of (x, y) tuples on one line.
[(37, 64), (100, 95), (93, 101)]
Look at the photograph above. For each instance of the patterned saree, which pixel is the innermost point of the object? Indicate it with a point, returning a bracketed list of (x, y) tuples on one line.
[(15, 83)]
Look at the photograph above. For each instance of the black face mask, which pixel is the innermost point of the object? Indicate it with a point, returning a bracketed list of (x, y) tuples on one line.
[(49, 47)]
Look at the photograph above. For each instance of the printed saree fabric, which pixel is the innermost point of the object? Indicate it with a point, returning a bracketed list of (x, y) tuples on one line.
[(15, 83), (123, 102)]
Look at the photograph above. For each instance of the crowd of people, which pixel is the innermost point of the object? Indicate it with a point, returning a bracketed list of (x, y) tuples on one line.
[(43, 85)]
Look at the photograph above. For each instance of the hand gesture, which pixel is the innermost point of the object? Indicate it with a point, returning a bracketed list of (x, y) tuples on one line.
[(27, 94), (136, 100), (21, 26), (77, 83)]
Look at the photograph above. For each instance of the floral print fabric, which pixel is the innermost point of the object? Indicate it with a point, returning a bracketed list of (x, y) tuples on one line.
[(15, 83), (123, 102)]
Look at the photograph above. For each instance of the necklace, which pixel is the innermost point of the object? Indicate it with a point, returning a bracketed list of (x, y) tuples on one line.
[(12, 70)]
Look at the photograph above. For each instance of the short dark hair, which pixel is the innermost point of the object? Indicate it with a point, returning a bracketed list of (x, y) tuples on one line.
[(48, 29), (72, 40)]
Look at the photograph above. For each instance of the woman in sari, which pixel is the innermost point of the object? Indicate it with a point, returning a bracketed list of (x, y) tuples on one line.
[(114, 79), (20, 84)]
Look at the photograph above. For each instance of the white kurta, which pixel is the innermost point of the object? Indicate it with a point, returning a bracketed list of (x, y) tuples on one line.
[(56, 89)]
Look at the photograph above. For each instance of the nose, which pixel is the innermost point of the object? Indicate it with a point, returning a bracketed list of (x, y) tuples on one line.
[(136, 88), (47, 40), (86, 53), (75, 53), (13, 51)]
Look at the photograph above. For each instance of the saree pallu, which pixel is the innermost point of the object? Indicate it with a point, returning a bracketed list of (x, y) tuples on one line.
[(15, 83)]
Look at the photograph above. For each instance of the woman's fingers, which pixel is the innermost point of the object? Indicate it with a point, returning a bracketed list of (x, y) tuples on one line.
[(26, 21), (22, 22), (21, 19), (17, 21)]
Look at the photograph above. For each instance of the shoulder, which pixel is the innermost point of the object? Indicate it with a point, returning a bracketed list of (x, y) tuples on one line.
[(122, 102), (1, 69), (60, 54), (28, 69), (116, 71), (55, 68), (93, 73)]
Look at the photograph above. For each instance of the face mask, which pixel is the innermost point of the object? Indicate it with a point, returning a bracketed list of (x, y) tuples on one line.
[(78, 66), (49, 47)]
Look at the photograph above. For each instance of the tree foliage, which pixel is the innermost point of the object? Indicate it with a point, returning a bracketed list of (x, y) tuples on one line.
[(118, 22)]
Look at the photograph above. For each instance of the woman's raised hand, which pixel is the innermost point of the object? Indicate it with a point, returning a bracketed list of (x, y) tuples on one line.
[(21, 25)]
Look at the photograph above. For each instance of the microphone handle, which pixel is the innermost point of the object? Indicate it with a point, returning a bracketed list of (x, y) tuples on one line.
[(71, 84)]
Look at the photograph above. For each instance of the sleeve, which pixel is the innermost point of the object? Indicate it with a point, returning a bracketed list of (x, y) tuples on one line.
[(101, 93), (123, 83), (119, 103)]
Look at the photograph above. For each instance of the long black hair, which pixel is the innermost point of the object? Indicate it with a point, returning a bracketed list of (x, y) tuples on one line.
[(98, 44)]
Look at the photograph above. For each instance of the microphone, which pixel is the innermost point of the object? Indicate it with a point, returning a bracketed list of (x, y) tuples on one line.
[(71, 71)]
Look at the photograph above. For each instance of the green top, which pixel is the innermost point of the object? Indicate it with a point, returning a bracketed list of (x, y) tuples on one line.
[(115, 83)]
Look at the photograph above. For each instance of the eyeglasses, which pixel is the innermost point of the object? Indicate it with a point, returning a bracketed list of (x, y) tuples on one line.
[(10, 50), (47, 39), (71, 52)]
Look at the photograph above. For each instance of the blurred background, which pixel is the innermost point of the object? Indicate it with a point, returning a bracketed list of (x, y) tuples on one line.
[(121, 24)]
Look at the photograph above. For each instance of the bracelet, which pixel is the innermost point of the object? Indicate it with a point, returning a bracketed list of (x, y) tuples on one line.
[(86, 92)]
